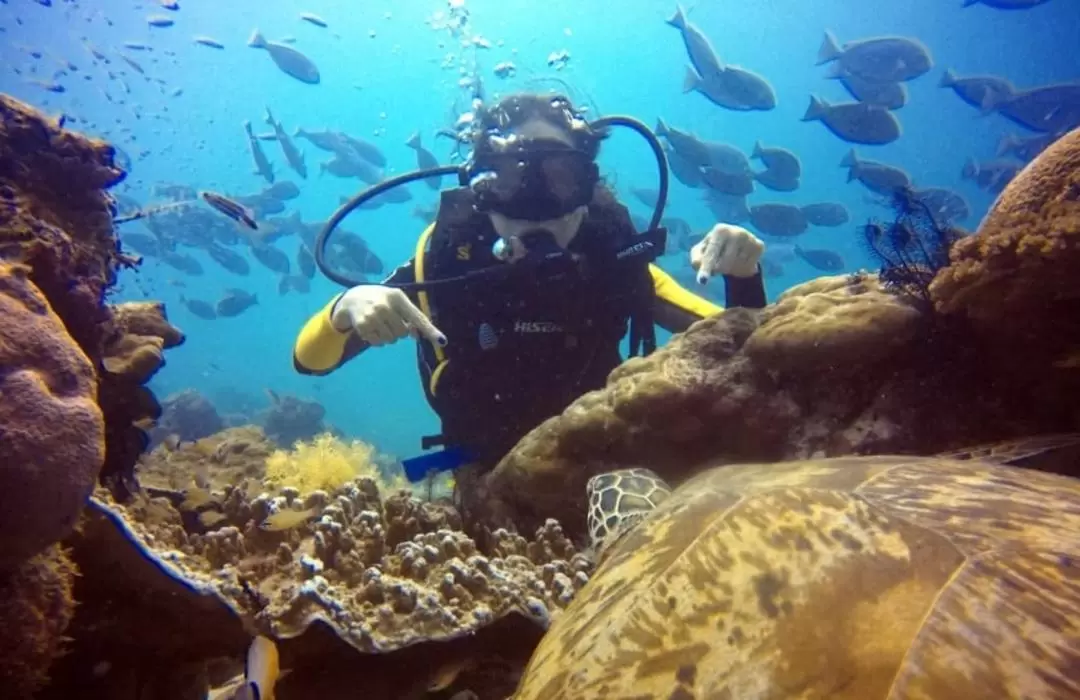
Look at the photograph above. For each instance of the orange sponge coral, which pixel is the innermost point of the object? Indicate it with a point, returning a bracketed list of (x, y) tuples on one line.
[(52, 434)]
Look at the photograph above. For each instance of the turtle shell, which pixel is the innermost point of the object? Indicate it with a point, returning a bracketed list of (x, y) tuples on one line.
[(862, 577)]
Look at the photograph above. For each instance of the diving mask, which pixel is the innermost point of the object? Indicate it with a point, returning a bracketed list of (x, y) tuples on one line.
[(534, 183)]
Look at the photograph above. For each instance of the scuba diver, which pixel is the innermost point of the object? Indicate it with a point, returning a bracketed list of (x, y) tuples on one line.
[(522, 290)]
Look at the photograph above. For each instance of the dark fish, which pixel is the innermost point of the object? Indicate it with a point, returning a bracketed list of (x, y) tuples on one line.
[(313, 19), (262, 164), (367, 151), (1025, 148), (732, 88), (698, 47), (229, 259), (991, 175), (235, 211), (183, 262), (283, 191), (727, 158), (289, 60), (781, 161), (292, 154), (352, 167), (855, 122), (778, 219), (727, 183), (646, 195), (199, 308), (776, 182), (1051, 109), (235, 302), (881, 59), (305, 261), (356, 249), (131, 62), (142, 244), (876, 177), (821, 259), (826, 214), (272, 258), (684, 171), (326, 140), (160, 21), (208, 41), (887, 95), (294, 283), (425, 160), (687, 145), (728, 209), (945, 205), (978, 90)]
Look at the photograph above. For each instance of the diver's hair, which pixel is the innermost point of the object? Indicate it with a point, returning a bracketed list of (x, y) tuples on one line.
[(515, 110)]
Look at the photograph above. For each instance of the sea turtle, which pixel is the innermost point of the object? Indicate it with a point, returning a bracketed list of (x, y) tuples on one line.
[(852, 577)]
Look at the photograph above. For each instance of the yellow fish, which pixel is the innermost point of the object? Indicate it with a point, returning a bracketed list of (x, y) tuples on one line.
[(261, 671), (287, 519)]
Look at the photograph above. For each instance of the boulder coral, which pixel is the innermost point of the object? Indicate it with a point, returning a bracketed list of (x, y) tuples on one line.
[(368, 575), (52, 433)]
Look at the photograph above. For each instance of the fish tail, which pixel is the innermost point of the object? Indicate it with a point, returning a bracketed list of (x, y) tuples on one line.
[(414, 141), (661, 127), (256, 40), (270, 117), (830, 50), (851, 160), (757, 150), (948, 79), (692, 81), (816, 110), (678, 20)]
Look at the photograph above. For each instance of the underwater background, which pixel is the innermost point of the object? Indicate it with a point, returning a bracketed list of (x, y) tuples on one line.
[(389, 70)]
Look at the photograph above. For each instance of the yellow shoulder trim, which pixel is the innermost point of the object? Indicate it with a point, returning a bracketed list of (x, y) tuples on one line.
[(418, 268), (320, 347), (668, 290)]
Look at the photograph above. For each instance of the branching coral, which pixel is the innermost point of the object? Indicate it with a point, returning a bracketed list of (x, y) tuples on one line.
[(324, 463)]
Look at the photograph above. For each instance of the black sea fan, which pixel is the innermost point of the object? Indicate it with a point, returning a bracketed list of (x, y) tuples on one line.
[(912, 248)]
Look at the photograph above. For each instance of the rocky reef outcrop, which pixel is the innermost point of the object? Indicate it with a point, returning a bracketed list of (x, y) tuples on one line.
[(73, 407), (841, 366)]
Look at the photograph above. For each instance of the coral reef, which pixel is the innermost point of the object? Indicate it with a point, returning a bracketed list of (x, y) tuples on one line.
[(57, 219), (36, 604), (365, 571), (324, 463), (189, 416), (291, 419), (1025, 258), (52, 434), (836, 366)]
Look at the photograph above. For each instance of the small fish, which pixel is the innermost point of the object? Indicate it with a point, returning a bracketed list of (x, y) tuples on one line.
[(824, 260), (261, 671), (826, 214), (778, 219), (133, 63), (783, 162), (287, 59), (287, 519), (235, 302), (855, 122), (137, 46), (160, 21), (208, 41), (881, 59), (876, 177), (262, 163), (199, 308), (236, 212), (313, 19), (292, 153)]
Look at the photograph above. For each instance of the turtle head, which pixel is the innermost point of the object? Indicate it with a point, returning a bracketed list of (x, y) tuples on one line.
[(618, 500)]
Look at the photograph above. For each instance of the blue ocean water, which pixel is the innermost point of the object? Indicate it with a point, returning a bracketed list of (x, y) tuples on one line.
[(388, 69)]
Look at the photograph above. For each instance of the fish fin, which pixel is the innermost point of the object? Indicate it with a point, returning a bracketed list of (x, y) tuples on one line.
[(757, 150), (270, 118), (678, 20), (829, 50), (851, 160), (692, 81), (414, 141), (256, 40), (948, 79), (816, 110), (661, 127)]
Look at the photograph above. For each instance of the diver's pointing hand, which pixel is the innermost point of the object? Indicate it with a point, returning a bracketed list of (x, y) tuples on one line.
[(382, 315), (726, 250)]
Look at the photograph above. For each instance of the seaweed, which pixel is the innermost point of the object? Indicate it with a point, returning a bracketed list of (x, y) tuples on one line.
[(912, 248)]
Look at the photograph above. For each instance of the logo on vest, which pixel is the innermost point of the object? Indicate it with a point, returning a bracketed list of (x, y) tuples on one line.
[(489, 340), (633, 250), (537, 327)]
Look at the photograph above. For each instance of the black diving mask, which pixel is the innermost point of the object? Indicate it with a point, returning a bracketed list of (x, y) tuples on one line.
[(537, 182)]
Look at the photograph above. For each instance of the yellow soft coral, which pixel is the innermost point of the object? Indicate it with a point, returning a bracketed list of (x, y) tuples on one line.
[(325, 463)]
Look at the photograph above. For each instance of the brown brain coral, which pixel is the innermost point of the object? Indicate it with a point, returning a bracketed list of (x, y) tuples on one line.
[(51, 429), (1025, 257)]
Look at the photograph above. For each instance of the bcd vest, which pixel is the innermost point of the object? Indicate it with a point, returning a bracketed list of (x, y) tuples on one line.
[(524, 342)]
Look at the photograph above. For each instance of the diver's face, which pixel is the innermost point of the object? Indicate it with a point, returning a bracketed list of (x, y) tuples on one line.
[(564, 228)]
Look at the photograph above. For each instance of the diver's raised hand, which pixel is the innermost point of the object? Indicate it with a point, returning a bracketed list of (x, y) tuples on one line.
[(726, 250), (382, 315)]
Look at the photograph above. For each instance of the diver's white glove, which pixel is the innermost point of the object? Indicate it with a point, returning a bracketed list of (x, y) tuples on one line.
[(726, 250), (382, 315)]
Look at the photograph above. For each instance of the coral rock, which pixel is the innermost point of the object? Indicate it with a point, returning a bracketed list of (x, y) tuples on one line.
[(1025, 257), (51, 429), (140, 332)]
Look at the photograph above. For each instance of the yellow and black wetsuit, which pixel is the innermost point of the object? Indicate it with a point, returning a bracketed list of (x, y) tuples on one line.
[(520, 349)]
